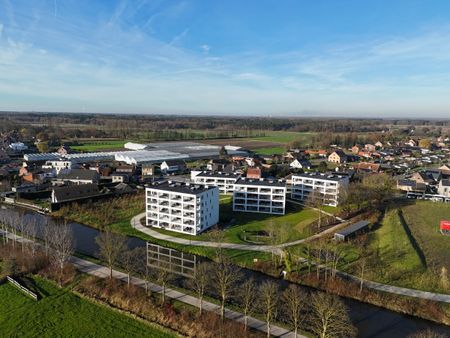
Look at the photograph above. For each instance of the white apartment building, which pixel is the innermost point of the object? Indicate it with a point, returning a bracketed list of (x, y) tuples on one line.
[(259, 195), (223, 181), (326, 185), (180, 207)]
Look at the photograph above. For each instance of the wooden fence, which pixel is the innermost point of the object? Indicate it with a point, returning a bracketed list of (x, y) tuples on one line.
[(22, 288)]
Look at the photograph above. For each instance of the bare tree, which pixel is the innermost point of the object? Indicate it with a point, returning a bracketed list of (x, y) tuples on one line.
[(294, 300), (31, 231), (329, 317), (315, 200), (62, 245), (199, 282), (247, 295), (224, 277), (47, 230), (111, 247), (163, 277), (269, 302), (129, 261)]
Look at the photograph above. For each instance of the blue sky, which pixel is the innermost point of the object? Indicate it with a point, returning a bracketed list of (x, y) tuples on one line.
[(347, 58)]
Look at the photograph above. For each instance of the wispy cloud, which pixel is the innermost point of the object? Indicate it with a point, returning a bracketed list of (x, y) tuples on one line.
[(120, 67)]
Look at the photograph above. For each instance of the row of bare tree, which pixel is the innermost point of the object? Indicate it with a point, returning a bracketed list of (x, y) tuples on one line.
[(57, 237)]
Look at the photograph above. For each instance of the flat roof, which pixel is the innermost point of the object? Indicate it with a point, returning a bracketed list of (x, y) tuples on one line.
[(352, 228), (217, 175), (260, 182), (180, 187), (320, 176)]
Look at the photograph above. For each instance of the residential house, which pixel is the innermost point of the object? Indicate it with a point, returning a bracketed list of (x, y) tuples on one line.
[(356, 149), (217, 165), (150, 170), (78, 176), (59, 166), (411, 186), (120, 177), (259, 195), (173, 166), (254, 173), (179, 207), (368, 167), (422, 177), (379, 145), (444, 188), (337, 156), (64, 150), (300, 164), (370, 147), (74, 193)]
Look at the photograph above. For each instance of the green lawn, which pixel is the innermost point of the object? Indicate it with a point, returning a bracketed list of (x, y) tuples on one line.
[(99, 145), (395, 258), (284, 136), (61, 313), (240, 227), (270, 150), (423, 219)]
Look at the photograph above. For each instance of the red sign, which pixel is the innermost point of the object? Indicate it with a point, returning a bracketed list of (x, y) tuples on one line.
[(445, 225)]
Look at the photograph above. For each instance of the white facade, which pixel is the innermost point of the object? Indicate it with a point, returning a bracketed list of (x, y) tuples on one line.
[(60, 166), (328, 186), (189, 209), (225, 182), (261, 195)]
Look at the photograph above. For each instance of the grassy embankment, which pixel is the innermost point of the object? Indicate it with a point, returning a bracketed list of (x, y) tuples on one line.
[(63, 313), (407, 249)]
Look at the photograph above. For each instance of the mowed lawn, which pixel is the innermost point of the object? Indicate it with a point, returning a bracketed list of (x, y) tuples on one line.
[(241, 227), (270, 150), (423, 218), (285, 136), (61, 313)]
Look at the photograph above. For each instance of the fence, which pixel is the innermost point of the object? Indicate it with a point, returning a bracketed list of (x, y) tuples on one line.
[(22, 288)]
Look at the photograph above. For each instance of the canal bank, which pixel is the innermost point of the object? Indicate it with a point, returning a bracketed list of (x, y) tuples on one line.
[(371, 321)]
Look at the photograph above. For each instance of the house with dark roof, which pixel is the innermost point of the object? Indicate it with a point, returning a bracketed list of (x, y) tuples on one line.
[(173, 166), (337, 156), (73, 193), (78, 176)]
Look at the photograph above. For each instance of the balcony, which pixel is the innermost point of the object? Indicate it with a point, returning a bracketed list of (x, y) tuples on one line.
[(188, 199), (264, 191), (278, 191)]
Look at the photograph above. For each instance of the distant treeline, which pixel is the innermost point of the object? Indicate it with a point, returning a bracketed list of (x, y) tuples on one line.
[(57, 126)]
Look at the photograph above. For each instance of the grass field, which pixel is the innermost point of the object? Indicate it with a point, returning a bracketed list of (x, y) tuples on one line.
[(61, 313), (284, 136), (406, 249), (99, 145), (423, 219), (270, 150)]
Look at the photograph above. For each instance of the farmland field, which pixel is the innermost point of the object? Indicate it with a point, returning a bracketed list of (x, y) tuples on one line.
[(61, 313), (103, 145)]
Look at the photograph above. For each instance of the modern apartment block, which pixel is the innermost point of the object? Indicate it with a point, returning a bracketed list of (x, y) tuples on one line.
[(224, 181), (181, 207), (327, 187), (265, 196)]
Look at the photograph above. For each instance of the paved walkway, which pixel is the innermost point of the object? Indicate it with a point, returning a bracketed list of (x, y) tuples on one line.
[(101, 271), (136, 223)]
